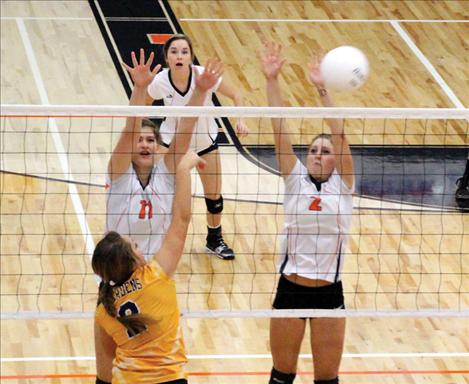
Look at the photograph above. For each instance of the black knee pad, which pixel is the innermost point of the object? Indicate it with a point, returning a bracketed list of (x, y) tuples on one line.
[(214, 206), (277, 377), (332, 381)]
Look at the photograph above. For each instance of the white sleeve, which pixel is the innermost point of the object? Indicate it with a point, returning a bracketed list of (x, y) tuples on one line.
[(165, 175), (291, 181), (339, 185), (121, 183), (154, 89)]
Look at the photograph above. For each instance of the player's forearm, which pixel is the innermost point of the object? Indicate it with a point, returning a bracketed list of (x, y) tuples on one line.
[(136, 98), (182, 196), (274, 99), (336, 125), (188, 123), (238, 99), (274, 93)]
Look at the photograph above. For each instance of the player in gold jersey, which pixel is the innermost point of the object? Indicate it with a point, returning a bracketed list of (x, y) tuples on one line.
[(138, 336)]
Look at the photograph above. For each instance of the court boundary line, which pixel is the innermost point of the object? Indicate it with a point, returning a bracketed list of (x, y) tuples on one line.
[(324, 20), (427, 64), (39, 18), (110, 43), (54, 132)]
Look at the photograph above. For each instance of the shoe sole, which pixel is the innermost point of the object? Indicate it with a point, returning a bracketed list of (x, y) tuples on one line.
[(220, 256)]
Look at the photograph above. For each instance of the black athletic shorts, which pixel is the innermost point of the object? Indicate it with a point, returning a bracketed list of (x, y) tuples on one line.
[(294, 296)]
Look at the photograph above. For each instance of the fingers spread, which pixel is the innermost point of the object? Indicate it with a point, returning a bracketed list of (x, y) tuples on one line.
[(214, 67), (150, 59), (156, 69), (142, 56), (134, 59)]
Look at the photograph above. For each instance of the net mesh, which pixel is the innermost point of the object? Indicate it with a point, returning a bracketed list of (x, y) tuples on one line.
[(408, 246)]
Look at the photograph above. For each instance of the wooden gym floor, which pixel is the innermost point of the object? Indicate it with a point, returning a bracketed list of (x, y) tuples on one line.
[(399, 256)]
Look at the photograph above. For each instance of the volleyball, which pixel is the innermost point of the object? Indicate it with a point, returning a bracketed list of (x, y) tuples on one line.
[(344, 68)]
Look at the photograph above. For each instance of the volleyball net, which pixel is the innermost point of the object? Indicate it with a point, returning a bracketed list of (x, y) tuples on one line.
[(408, 247)]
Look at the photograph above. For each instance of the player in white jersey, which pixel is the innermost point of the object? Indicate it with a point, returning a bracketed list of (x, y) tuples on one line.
[(175, 86), (318, 208), (140, 183)]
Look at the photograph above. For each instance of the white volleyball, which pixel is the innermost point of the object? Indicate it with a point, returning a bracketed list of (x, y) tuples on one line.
[(344, 68)]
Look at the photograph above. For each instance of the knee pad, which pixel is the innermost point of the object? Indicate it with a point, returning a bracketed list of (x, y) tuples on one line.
[(332, 381), (214, 206), (277, 377)]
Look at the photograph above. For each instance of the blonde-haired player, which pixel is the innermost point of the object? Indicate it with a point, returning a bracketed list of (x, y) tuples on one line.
[(318, 208), (138, 335)]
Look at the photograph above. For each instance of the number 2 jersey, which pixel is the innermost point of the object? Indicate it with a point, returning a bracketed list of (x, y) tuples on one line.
[(157, 354), (316, 225), (144, 214)]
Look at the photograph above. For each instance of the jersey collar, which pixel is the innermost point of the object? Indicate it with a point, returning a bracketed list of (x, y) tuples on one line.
[(317, 183), (188, 86)]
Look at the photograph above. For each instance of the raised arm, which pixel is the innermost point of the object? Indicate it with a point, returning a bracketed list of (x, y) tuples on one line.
[(142, 75), (182, 138), (234, 94), (343, 155), (272, 63), (173, 245)]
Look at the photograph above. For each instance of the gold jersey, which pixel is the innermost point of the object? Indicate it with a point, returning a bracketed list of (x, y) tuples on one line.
[(157, 354)]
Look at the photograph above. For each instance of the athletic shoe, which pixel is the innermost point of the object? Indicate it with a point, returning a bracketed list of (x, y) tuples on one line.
[(221, 250)]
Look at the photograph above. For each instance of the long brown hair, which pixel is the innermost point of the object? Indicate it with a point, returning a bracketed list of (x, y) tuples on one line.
[(174, 38), (114, 261)]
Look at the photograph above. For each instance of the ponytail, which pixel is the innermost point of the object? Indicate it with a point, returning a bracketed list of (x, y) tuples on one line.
[(113, 260)]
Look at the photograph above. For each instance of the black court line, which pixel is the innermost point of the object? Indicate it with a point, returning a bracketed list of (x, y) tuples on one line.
[(110, 48)]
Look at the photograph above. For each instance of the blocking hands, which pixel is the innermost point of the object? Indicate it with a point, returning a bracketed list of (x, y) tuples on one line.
[(141, 72), (208, 79), (271, 59)]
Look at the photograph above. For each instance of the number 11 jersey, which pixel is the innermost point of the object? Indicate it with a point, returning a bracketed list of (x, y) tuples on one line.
[(144, 214)]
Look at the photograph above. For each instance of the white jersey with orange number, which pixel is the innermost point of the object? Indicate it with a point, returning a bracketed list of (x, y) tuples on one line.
[(162, 87), (144, 214), (316, 226)]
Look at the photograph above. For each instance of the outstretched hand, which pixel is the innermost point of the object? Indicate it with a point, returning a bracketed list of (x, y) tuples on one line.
[(314, 73), (271, 59), (141, 73), (208, 79)]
